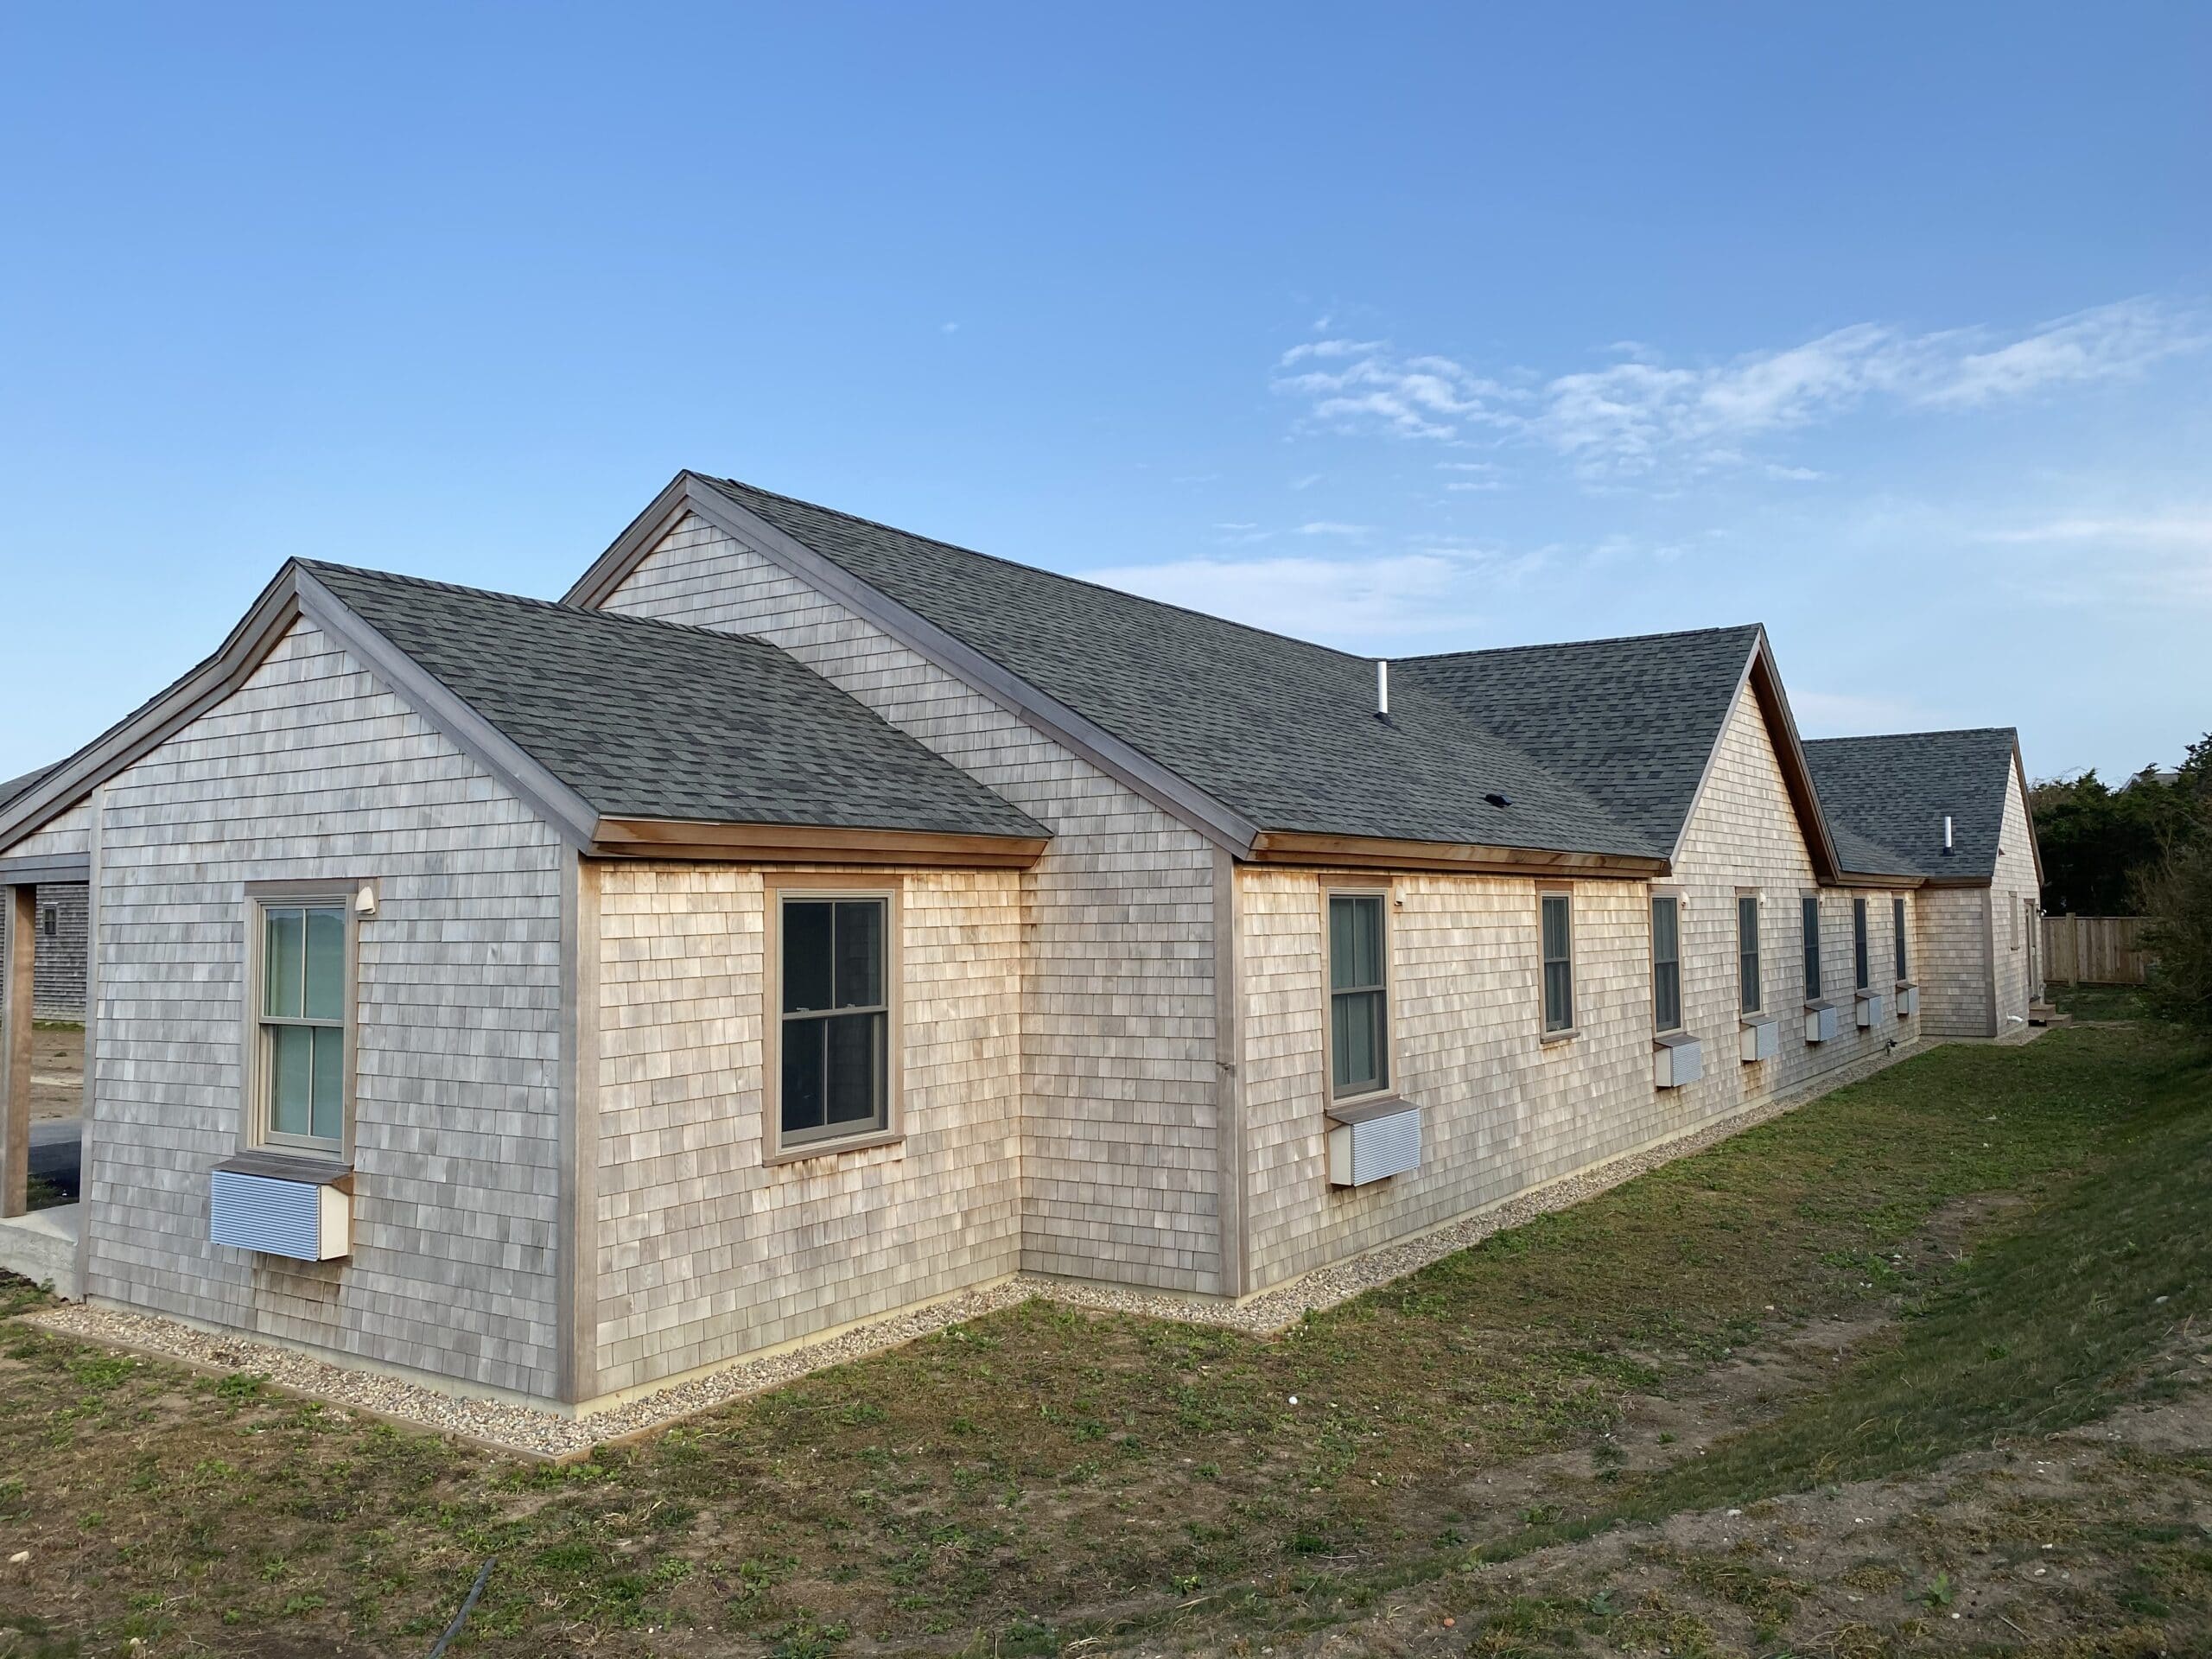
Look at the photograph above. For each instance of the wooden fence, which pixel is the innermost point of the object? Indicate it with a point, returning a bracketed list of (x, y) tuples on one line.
[(2093, 949)]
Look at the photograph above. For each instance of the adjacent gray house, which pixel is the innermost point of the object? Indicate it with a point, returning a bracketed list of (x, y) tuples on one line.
[(804, 920)]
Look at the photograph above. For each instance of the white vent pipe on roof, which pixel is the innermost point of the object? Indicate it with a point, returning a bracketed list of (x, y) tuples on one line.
[(1383, 687), (1947, 832)]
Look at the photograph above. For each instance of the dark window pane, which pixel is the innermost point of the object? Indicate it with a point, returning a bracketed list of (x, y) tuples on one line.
[(1859, 961), (1559, 996), (1342, 925), (1358, 1042), (1355, 942), (282, 933), (329, 1114), (1666, 930), (1667, 994), (326, 965), (856, 1055), (1747, 950), (291, 1078), (804, 1064), (1555, 929), (806, 955), (1812, 926), (1896, 926), (859, 953)]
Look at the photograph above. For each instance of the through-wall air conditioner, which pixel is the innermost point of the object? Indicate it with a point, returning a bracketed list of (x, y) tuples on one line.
[(1371, 1143), (281, 1206), (1820, 1020), (1869, 1005), (1908, 1001), (1762, 1037), (1676, 1060)]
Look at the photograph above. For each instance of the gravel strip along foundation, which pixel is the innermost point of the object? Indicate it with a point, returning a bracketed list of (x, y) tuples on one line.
[(539, 1433)]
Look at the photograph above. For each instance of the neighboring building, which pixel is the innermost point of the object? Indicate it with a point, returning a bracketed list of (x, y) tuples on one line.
[(805, 920), (1951, 808), (58, 917)]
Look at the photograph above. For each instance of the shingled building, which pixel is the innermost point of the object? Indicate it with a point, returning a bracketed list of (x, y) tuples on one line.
[(804, 920)]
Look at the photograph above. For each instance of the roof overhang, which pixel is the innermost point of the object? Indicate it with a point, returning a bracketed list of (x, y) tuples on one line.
[(1279, 847), (61, 869), (790, 843), (1866, 878)]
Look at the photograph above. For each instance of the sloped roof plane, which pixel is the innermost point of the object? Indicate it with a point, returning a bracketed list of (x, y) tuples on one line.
[(1891, 794)]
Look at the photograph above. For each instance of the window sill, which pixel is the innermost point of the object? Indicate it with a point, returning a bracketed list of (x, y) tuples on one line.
[(1368, 1107), (310, 1169), (831, 1149), (1566, 1036)]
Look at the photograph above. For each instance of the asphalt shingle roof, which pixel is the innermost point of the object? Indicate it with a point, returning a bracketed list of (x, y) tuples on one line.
[(1282, 730), (17, 786), (654, 720), (1631, 720), (1893, 792)]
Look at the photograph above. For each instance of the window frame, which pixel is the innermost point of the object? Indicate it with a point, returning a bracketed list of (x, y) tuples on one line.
[(1551, 1034), (256, 1072), (1663, 896), (825, 887), (1386, 896), (1812, 969), (1756, 1003), (1897, 942), (1862, 947)]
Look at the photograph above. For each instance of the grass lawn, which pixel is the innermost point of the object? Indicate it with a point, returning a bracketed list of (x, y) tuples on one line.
[(1047, 1475), (2099, 1001)]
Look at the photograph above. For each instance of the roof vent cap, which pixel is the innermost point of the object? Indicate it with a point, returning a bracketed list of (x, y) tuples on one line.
[(1497, 800)]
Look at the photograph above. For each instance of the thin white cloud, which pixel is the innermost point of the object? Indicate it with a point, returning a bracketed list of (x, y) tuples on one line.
[(1637, 416), (948, 327), (2179, 529), (1332, 527)]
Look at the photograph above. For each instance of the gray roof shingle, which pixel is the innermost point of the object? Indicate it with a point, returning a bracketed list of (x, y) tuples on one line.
[(1282, 730), (1632, 721), (1894, 792), (654, 720)]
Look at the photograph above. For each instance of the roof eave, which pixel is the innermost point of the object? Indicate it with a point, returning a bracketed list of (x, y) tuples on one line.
[(1298, 847), (798, 843)]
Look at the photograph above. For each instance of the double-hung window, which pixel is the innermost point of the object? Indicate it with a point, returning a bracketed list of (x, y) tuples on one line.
[(1558, 928), (833, 1024), (1812, 925), (303, 1015), (1747, 952), (1859, 964), (1896, 933), (1359, 996), (1666, 962)]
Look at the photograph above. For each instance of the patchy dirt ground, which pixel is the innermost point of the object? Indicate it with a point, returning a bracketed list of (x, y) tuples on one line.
[(57, 1071)]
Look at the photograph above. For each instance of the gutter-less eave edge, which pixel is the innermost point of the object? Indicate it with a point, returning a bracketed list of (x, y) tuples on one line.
[(1283, 847)]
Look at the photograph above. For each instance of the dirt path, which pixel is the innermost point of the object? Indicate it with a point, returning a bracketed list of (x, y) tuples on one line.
[(57, 1072)]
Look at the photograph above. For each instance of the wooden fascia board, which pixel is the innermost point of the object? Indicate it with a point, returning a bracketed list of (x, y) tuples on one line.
[(1366, 853), (560, 806), (2028, 810), (1956, 881), (65, 868), (1169, 790), (1765, 677), (1712, 754), (1860, 879), (800, 843), (628, 551), (139, 733)]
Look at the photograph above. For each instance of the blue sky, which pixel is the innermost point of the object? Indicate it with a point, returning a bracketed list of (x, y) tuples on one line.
[(1409, 330)]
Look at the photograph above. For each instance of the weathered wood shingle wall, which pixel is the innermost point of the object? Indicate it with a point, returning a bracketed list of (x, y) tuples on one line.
[(312, 771), (1117, 1009), (704, 1253)]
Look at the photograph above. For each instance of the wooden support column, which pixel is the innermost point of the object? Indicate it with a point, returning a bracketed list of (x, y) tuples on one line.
[(22, 967)]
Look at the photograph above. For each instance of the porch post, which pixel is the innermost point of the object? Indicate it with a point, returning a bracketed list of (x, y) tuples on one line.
[(22, 967)]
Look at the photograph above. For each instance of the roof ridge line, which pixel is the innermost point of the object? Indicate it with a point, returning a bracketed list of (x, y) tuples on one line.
[(1568, 644), (1058, 576), (591, 613), (1941, 731)]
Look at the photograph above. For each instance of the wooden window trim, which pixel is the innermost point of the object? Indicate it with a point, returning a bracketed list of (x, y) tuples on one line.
[(1573, 1028), (256, 898), (1353, 886), (832, 884), (1816, 946)]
